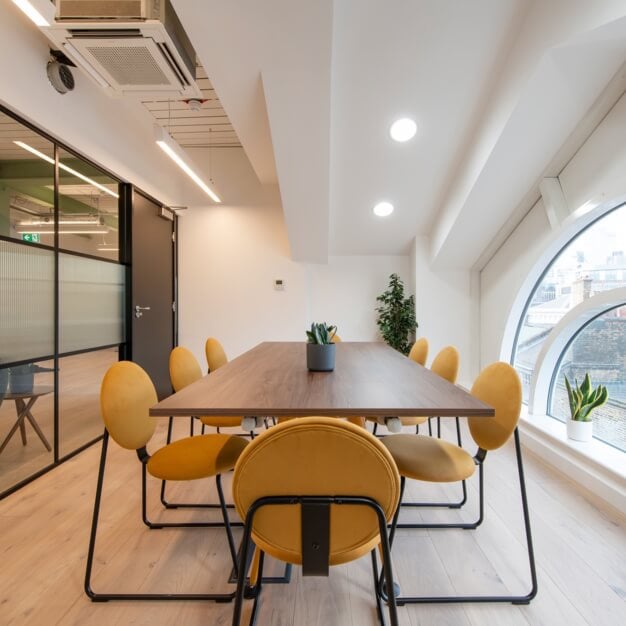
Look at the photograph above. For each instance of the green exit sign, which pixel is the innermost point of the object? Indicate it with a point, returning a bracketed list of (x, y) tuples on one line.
[(32, 237)]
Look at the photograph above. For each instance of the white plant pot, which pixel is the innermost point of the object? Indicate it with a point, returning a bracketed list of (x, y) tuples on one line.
[(579, 431)]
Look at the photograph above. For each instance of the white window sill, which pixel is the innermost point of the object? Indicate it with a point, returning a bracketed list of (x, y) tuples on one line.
[(595, 465)]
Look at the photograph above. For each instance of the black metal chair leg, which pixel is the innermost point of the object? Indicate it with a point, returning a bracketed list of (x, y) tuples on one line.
[(465, 525), (523, 599), (229, 533), (430, 428), (379, 602), (257, 592), (243, 560), (375, 428), (105, 597), (157, 525), (437, 505)]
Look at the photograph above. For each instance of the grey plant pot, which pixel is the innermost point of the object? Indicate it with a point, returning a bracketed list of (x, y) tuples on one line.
[(21, 381), (4, 381), (320, 358)]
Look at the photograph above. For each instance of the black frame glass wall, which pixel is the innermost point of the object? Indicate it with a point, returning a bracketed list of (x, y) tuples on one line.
[(64, 276)]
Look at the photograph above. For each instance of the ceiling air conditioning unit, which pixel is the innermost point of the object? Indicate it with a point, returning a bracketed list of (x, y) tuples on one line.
[(130, 47)]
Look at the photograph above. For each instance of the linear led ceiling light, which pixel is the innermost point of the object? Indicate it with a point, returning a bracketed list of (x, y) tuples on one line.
[(172, 149), (72, 230), (65, 168), (93, 221), (28, 9)]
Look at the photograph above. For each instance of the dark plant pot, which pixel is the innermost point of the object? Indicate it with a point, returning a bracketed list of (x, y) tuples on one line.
[(21, 381), (320, 358), (4, 381)]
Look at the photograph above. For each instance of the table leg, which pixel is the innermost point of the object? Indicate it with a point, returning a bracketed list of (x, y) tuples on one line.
[(35, 425), (20, 409), (18, 424)]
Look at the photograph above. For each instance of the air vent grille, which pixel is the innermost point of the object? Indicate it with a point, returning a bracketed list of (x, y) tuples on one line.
[(129, 66)]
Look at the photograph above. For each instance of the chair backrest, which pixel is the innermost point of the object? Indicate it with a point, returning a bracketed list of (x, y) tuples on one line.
[(419, 351), (336, 338), (446, 364), (499, 386), (215, 355), (184, 368), (126, 395), (320, 456)]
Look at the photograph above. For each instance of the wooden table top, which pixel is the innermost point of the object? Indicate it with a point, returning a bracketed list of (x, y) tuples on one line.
[(369, 379)]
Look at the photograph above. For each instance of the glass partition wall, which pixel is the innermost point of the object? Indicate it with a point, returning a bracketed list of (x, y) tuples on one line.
[(62, 300)]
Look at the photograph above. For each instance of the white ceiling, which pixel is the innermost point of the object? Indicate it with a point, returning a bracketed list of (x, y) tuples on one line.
[(496, 86)]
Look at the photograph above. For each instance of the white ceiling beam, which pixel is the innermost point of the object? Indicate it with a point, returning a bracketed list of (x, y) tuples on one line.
[(563, 58)]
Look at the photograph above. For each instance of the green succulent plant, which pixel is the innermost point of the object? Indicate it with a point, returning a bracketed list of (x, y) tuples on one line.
[(321, 334), (584, 399)]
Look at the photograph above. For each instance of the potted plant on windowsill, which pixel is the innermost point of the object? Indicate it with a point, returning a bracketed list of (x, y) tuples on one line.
[(320, 349), (583, 400)]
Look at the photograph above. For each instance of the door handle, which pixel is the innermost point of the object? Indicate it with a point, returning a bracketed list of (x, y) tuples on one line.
[(139, 310)]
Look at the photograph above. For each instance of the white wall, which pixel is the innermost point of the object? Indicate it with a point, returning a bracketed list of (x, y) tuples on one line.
[(229, 257), (443, 303), (595, 175)]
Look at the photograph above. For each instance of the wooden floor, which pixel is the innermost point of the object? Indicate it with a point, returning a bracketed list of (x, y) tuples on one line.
[(580, 545)]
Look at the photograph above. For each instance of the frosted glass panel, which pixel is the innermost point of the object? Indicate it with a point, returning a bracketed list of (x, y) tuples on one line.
[(91, 303), (80, 376), (26, 302)]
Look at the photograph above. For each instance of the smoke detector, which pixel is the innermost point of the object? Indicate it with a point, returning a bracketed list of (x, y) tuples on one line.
[(195, 104)]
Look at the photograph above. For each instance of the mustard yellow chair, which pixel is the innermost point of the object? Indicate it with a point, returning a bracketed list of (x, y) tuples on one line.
[(305, 503), (435, 460), (126, 395), (419, 351)]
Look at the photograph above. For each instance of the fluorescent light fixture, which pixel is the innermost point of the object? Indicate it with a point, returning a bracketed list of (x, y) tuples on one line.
[(65, 231), (94, 221), (28, 9), (383, 209), (173, 150), (107, 249), (78, 57), (403, 129), (65, 168)]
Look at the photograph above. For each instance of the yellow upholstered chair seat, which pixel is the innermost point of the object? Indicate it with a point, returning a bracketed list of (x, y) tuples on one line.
[(222, 421), (196, 457), (429, 459), (316, 456), (406, 421)]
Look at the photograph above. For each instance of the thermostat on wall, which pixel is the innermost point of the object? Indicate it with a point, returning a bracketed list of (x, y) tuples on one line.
[(279, 284)]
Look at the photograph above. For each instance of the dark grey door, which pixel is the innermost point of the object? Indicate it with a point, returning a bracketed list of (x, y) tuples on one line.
[(153, 291)]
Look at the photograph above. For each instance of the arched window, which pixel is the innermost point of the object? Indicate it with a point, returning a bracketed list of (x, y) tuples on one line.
[(592, 262), (599, 348)]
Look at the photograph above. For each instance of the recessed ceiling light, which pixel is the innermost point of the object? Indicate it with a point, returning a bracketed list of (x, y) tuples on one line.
[(383, 209), (403, 129)]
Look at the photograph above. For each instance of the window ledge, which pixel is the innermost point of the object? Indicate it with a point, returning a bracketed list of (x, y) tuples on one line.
[(595, 465)]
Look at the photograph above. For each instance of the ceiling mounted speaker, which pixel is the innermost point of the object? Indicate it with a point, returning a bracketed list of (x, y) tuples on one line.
[(60, 76)]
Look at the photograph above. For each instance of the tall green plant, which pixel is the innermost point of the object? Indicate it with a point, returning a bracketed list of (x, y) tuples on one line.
[(584, 399), (396, 316)]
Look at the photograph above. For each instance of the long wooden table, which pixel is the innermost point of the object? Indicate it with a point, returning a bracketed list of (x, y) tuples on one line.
[(369, 379)]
